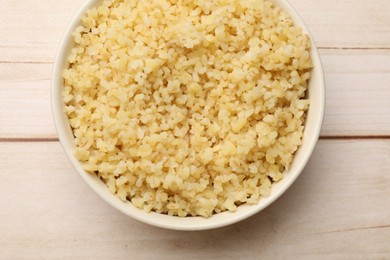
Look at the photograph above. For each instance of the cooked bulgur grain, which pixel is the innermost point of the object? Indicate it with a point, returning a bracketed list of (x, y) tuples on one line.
[(187, 107)]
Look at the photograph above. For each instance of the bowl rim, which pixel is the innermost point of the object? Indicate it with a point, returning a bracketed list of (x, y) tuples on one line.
[(61, 126)]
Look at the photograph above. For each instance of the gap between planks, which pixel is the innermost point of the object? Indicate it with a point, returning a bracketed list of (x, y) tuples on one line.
[(326, 137), (355, 137), (29, 140)]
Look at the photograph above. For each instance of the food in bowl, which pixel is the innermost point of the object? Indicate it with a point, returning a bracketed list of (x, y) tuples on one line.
[(187, 107)]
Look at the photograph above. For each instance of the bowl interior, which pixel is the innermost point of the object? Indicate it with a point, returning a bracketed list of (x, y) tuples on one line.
[(316, 95)]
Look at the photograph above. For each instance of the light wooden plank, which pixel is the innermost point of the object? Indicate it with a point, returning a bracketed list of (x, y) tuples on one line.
[(358, 94), (337, 209), (347, 23), (25, 107), (31, 31)]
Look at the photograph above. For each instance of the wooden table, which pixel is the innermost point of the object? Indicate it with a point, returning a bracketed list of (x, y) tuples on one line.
[(338, 209)]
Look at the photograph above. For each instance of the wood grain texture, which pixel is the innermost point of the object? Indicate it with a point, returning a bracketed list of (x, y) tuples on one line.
[(358, 94), (31, 31), (347, 23), (25, 110), (338, 209)]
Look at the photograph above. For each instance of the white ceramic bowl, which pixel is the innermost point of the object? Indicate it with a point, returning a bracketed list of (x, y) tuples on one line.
[(315, 115)]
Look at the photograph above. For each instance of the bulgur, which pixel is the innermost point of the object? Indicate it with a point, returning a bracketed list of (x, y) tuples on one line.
[(187, 107)]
